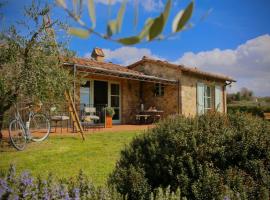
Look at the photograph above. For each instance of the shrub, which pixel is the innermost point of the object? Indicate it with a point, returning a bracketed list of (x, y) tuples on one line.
[(254, 110), (24, 186), (207, 157)]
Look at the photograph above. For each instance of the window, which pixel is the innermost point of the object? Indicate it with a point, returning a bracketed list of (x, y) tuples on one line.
[(218, 98), (207, 98), (115, 100), (204, 98), (159, 90)]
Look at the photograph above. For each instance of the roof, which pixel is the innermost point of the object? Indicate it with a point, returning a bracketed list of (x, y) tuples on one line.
[(184, 69), (110, 69)]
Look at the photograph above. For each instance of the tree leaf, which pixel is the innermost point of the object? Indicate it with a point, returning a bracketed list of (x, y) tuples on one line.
[(61, 3), (167, 10), (156, 27), (92, 12), (119, 19), (176, 20), (182, 18), (79, 32), (129, 40), (146, 28), (111, 28), (159, 22)]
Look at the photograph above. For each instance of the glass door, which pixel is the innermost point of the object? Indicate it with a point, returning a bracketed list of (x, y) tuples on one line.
[(115, 101), (85, 94)]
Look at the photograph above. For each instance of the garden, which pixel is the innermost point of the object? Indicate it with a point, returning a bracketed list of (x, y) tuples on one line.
[(212, 156)]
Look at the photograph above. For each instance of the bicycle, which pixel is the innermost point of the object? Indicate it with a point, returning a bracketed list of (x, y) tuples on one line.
[(36, 129)]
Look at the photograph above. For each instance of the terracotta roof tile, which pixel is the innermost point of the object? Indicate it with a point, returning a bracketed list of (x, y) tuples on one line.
[(104, 65), (183, 68)]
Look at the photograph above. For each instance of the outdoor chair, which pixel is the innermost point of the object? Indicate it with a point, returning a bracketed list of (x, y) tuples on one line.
[(57, 117), (89, 116)]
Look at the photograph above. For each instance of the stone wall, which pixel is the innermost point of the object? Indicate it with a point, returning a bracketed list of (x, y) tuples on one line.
[(130, 100), (167, 103), (170, 103), (180, 99), (189, 94)]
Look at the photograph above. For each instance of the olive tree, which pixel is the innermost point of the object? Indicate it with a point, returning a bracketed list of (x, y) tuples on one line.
[(30, 66)]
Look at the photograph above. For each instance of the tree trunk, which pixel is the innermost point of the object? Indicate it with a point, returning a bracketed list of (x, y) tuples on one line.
[(3, 109), (1, 124)]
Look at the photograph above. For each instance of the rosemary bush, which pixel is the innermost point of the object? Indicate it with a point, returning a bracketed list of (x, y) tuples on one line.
[(208, 157)]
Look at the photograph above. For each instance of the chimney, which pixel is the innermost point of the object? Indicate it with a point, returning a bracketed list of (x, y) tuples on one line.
[(98, 55)]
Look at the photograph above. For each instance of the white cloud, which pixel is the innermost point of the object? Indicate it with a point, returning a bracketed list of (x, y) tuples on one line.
[(128, 55), (151, 5), (148, 5), (249, 63)]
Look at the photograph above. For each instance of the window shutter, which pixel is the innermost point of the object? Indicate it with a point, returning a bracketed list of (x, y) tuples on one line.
[(200, 98), (218, 98)]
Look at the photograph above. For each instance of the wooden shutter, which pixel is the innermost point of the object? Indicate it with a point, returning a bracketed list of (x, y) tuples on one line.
[(218, 98), (200, 98)]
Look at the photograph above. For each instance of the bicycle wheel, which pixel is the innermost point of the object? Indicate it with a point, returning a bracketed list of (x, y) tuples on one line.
[(39, 127), (17, 135)]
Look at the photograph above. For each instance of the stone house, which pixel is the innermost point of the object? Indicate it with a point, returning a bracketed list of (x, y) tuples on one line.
[(171, 88)]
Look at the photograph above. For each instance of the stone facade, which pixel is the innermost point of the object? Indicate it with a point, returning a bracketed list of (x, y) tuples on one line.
[(170, 103), (130, 100), (178, 99), (189, 94), (182, 99)]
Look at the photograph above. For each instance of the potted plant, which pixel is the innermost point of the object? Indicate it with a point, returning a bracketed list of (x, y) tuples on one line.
[(109, 115)]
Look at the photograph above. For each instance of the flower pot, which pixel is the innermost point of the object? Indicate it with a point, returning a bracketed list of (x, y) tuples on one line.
[(108, 122)]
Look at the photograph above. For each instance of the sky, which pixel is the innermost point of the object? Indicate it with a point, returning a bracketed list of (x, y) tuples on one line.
[(228, 37)]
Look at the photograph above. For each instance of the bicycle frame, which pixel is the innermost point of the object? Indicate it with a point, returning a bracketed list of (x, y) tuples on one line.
[(26, 124)]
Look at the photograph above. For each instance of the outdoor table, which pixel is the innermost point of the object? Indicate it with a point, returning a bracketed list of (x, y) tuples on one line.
[(154, 114)]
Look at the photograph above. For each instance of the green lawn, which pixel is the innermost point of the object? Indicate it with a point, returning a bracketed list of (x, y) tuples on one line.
[(65, 156)]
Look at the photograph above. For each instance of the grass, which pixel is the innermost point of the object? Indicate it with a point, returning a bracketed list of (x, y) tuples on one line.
[(65, 156)]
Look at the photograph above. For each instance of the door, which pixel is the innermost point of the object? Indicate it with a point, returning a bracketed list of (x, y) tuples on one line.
[(115, 101), (100, 97), (85, 94), (100, 93)]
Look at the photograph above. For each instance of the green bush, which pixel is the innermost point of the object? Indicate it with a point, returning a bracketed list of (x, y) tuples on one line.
[(207, 157), (254, 110)]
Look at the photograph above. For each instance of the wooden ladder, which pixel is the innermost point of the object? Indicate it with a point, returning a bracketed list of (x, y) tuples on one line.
[(73, 113)]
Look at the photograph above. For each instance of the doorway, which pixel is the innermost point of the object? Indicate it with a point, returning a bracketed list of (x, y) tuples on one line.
[(100, 93)]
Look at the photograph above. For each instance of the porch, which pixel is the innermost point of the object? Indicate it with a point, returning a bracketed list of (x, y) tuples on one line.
[(129, 94)]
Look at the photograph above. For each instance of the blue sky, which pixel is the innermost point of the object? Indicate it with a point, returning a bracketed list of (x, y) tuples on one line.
[(234, 39)]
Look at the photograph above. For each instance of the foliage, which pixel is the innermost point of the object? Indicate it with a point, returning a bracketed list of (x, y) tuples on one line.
[(30, 68), (25, 186), (152, 29), (110, 111), (243, 94), (251, 109), (207, 157)]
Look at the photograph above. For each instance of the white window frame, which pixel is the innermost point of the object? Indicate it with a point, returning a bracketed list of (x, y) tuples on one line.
[(202, 98), (206, 98)]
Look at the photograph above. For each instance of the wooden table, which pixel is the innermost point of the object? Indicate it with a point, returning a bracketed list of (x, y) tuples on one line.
[(147, 115)]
